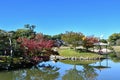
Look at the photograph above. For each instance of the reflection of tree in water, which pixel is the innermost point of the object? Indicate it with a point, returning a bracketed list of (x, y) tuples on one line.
[(44, 73), (73, 74), (49, 72), (88, 73)]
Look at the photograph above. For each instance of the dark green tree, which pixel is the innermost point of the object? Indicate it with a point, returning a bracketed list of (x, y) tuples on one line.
[(31, 33), (27, 32), (103, 40), (58, 36), (47, 36), (3, 41)]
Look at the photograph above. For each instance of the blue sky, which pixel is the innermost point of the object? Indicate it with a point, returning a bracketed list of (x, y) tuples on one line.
[(91, 17)]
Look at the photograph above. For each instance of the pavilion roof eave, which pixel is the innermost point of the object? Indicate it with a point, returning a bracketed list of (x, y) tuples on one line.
[(100, 44)]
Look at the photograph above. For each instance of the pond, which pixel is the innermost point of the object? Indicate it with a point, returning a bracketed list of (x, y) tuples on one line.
[(67, 70)]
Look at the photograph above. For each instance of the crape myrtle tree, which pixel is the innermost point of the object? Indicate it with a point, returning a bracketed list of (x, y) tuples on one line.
[(72, 38), (89, 41), (35, 47)]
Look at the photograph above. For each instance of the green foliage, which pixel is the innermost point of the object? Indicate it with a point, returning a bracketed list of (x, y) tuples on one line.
[(47, 36), (57, 36), (73, 38), (103, 40), (28, 32), (116, 48), (112, 55), (113, 38), (5, 59), (5, 42), (118, 42), (21, 33)]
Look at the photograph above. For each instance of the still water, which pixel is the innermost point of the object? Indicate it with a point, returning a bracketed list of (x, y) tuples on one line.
[(100, 70)]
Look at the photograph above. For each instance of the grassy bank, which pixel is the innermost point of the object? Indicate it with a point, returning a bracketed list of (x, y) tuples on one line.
[(73, 53), (82, 62)]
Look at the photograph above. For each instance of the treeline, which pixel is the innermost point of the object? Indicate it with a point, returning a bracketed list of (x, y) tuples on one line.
[(25, 43), (18, 40)]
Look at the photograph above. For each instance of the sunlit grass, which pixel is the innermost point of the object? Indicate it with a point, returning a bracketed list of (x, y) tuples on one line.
[(73, 53)]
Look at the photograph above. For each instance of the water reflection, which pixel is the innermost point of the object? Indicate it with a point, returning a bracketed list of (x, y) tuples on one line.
[(87, 73), (44, 73), (116, 58), (48, 72), (100, 70), (73, 74)]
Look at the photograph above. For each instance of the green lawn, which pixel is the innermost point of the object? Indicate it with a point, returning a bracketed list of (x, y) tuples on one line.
[(73, 53)]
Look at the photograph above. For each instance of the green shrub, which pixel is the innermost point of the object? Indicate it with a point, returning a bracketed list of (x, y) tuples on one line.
[(112, 55)]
